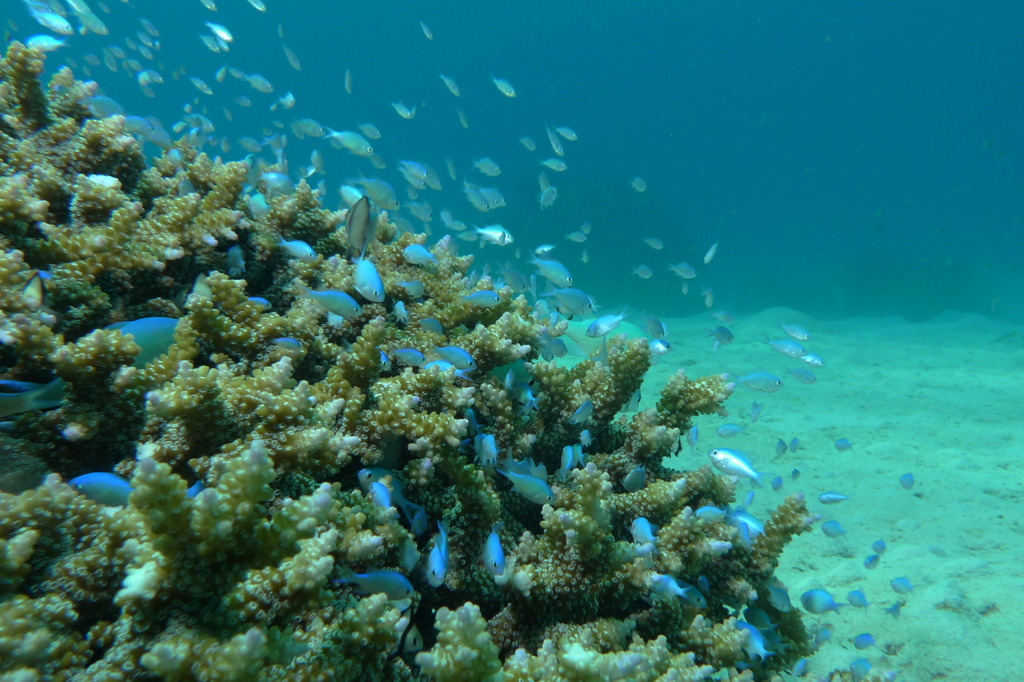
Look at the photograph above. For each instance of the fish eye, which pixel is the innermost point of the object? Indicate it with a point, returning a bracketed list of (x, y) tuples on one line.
[(369, 149)]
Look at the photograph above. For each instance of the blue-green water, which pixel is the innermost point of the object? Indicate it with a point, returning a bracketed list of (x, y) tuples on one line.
[(850, 158)]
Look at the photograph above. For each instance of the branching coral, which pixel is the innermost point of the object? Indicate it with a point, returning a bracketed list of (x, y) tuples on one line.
[(305, 502)]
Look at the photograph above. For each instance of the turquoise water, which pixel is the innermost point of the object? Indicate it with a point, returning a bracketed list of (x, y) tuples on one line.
[(850, 159)]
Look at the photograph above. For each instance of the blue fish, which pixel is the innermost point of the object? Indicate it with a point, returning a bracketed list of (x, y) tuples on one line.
[(819, 601), (486, 449), (432, 324), (417, 254), (833, 529), (333, 301), (298, 249), (901, 585), (582, 412), (484, 298), (437, 562), (528, 479), (380, 494), (367, 281), (635, 479), (860, 669), (458, 357), (754, 646), (112, 490), (871, 562), (907, 481), (642, 531), (103, 487), (288, 343), (23, 396), (444, 366), (390, 583), (154, 335), (409, 356), (843, 444), (493, 555), (857, 599)]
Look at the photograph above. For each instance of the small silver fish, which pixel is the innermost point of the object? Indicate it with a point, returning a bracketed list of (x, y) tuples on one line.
[(788, 347), (494, 234), (733, 463), (761, 381), (605, 324), (368, 282), (504, 87), (796, 331)]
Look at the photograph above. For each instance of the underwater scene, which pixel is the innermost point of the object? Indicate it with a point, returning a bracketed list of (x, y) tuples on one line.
[(528, 340)]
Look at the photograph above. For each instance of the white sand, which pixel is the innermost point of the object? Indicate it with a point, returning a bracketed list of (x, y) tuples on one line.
[(942, 400)]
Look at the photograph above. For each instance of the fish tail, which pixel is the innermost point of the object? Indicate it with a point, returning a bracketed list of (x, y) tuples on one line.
[(50, 395)]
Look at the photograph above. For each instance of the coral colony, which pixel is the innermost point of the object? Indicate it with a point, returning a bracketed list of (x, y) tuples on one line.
[(246, 437)]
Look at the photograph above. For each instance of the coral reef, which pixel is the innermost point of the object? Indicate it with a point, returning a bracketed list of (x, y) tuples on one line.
[(324, 462)]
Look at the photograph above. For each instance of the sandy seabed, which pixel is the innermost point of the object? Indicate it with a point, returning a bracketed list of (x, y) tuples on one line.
[(942, 400)]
